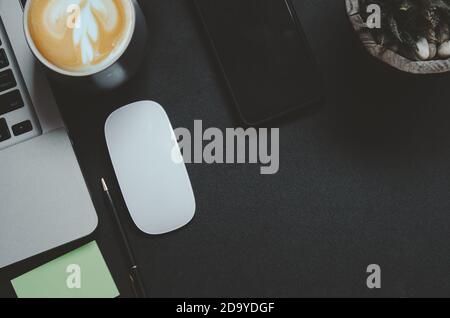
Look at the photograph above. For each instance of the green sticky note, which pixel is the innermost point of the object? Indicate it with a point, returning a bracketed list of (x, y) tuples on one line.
[(82, 273)]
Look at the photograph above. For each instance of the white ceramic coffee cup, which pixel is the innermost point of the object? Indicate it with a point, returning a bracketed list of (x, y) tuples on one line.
[(122, 63)]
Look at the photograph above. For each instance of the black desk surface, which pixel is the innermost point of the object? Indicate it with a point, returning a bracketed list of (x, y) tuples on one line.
[(364, 179)]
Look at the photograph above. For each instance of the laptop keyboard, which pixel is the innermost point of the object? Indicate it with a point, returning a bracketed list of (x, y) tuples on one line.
[(10, 101), (17, 119), (4, 131), (3, 58)]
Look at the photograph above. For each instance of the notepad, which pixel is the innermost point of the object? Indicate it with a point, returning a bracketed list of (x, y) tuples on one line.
[(82, 273)]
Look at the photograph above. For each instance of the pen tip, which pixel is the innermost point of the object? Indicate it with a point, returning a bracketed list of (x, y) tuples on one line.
[(105, 187)]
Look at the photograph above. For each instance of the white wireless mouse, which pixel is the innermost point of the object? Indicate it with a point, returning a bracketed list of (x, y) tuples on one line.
[(149, 167)]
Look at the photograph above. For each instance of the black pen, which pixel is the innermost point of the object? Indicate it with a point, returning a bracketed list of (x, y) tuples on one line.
[(135, 276)]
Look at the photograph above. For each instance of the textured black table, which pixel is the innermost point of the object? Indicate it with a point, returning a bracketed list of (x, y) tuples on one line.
[(364, 179)]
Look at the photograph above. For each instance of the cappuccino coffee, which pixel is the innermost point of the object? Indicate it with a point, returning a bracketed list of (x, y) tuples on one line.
[(80, 36)]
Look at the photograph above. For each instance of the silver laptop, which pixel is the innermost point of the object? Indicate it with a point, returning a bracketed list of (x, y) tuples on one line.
[(44, 202)]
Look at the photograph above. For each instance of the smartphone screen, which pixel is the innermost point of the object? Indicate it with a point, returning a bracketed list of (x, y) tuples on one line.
[(264, 55)]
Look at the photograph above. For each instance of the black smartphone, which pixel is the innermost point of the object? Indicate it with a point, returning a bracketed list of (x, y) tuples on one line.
[(264, 55)]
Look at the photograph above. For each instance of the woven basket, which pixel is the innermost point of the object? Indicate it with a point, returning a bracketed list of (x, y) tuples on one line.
[(386, 55)]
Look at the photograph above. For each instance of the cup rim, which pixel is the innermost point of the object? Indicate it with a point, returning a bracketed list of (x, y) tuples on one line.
[(62, 71)]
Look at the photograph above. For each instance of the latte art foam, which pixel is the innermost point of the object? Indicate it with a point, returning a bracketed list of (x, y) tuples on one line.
[(78, 35)]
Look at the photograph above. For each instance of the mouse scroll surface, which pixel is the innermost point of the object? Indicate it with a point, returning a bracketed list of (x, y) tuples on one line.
[(144, 153)]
